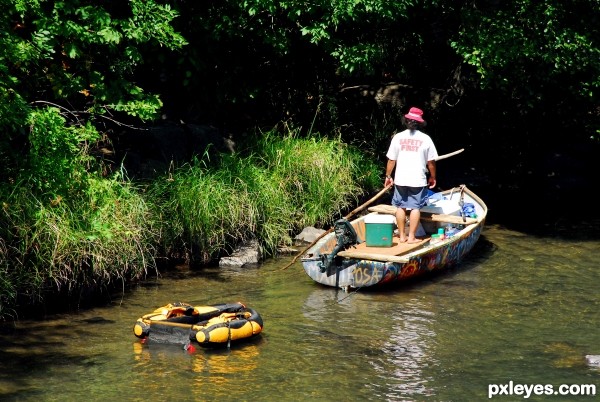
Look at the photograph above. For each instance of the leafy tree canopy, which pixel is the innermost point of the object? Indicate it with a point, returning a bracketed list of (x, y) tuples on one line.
[(79, 57), (83, 53), (525, 46)]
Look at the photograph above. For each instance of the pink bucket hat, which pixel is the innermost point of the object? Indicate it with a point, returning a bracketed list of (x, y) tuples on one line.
[(415, 114)]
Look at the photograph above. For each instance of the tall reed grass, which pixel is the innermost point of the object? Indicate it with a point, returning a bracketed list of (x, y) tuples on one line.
[(63, 245), (287, 182)]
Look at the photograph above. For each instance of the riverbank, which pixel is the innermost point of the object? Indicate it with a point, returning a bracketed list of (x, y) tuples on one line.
[(115, 231)]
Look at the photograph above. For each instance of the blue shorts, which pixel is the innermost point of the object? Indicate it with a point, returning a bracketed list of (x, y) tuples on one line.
[(410, 197)]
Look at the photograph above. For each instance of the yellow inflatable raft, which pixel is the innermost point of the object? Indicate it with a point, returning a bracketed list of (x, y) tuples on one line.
[(216, 324)]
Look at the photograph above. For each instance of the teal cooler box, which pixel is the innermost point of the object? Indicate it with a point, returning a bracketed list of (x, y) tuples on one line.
[(380, 230)]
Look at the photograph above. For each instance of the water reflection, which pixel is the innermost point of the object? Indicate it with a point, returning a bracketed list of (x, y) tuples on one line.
[(408, 352), (394, 339), (521, 308), (326, 304)]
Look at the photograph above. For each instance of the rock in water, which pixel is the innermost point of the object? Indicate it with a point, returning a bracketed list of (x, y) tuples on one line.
[(593, 360)]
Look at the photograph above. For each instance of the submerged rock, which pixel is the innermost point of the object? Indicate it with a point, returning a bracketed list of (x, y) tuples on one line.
[(593, 360), (309, 234), (246, 254)]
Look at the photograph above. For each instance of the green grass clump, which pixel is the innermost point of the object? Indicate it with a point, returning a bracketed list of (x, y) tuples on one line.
[(284, 184), (61, 244), (322, 176)]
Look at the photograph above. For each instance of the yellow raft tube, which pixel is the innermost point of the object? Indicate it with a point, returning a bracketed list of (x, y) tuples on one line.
[(216, 324)]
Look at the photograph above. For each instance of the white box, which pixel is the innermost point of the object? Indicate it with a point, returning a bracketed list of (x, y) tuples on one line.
[(380, 218), (446, 207)]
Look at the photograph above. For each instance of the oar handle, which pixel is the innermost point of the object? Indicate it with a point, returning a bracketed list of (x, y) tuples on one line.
[(449, 154)]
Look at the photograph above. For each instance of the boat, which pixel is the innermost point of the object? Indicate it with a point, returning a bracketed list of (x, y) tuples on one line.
[(367, 253), (211, 325)]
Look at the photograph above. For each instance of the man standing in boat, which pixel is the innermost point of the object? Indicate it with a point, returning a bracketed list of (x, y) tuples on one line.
[(412, 153)]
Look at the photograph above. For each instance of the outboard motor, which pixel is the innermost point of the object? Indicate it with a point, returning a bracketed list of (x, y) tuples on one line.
[(346, 237)]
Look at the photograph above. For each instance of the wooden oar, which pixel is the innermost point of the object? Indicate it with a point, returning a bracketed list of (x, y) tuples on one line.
[(356, 210), (449, 154)]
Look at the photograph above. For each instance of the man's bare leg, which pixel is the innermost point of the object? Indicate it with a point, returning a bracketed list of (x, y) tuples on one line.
[(401, 223), (414, 218)]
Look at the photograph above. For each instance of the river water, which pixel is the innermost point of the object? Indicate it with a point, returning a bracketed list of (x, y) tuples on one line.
[(521, 309)]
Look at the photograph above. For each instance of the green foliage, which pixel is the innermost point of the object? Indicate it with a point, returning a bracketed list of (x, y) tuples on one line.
[(524, 45), (58, 163), (341, 28), (322, 176), (286, 183), (80, 58), (86, 54), (8, 286), (151, 21), (537, 54), (105, 235), (200, 210)]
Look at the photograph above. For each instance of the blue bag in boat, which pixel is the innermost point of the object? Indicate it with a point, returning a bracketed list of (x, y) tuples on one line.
[(469, 210), (431, 196)]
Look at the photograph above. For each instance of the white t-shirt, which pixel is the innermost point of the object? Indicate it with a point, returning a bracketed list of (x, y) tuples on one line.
[(411, 150)]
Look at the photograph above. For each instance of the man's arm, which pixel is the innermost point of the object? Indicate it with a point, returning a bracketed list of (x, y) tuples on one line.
[(388, 172), (432, 172)]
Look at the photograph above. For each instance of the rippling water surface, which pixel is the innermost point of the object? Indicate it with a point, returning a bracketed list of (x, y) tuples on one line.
[(520, 308)]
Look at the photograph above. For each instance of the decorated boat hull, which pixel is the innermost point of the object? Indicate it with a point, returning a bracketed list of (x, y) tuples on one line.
[(358, 266)]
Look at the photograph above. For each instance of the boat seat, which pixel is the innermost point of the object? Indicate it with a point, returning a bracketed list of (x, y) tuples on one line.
[(392, 254), (426, 216), (459, 220)]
